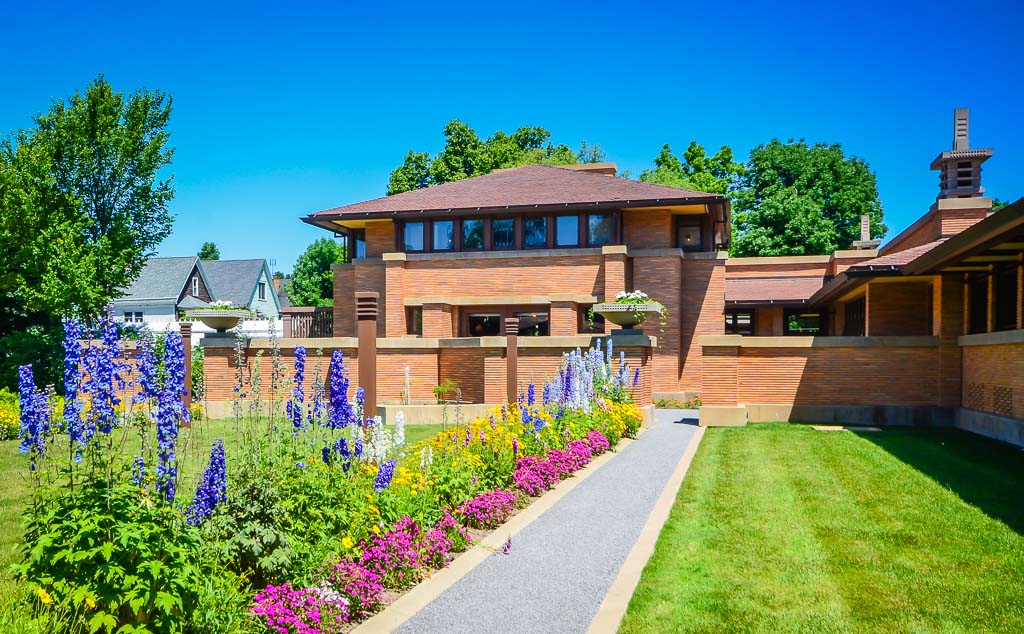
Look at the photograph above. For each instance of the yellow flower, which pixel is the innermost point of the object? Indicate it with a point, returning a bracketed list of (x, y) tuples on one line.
[(89, 602), (348, 543), (376, 530), (44, 596)]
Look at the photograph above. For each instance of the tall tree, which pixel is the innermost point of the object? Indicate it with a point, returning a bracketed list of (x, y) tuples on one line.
[(82, 206), (312, 282), (465, 155), (716, 174), (800, 199), (209, 251)]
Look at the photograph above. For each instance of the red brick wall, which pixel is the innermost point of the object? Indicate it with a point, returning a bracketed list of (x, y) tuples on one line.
[(993, 379), (344, 301), (953, 221), (380, 238), (869, 376), (802, 269), (899, 309), (702, 313), (647, 229)]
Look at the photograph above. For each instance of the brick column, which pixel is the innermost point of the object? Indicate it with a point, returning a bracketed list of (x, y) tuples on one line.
[(186, 341), (437, 321), (512, 359), (366, 318), (394, 281), (564, 318), (614, 275)]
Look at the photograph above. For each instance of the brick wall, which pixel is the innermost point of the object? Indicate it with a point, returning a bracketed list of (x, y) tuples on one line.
[(647, 229), (856, 375), (799, 269), (702, 313), (993, 379), (380, 238), (899, 309), (344, 300), (768, 322)]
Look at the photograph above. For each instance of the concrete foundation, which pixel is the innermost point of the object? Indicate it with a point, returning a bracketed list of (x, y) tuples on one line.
[(897, 415), (722, 416), (1008, 430)]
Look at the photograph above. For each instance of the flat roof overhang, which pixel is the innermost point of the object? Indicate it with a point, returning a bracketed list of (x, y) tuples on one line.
[(998, 238)]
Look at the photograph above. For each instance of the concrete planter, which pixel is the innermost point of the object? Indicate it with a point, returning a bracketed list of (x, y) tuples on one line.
[(628, 315), (219, 320)]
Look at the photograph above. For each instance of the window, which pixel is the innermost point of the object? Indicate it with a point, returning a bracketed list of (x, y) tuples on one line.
[(853, 322), (472, 234), (195, 286), (414, 320), (413, 236), (484, 324), (798, 322), (133, 317), (444, 235), (357, 238), (261, 290), (599, 230), (738, 322), (978, 298), (533, 324), (688, 234), (503, 231), (567, 231), (588, 324), (1006, 298), (535, 232)]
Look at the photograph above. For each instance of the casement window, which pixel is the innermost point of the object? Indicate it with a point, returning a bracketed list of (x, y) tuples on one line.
[(535, 232), (599, 230), (567, 231), (803, 323), (472, 234), (414, 320), (484, 324), (739, 322), (503, 233), (689, 235), (534, 324), (588, 324), (443, 233), (131, 317), (853, 322), (413, 236), (357, 243), (261, 290), (195, 286)]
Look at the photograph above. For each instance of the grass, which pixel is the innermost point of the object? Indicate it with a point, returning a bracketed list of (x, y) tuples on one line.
[(778, 528), (193, 448)]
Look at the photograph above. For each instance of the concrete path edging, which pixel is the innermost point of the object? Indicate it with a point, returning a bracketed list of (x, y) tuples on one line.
[(613, 608), (410, 603)]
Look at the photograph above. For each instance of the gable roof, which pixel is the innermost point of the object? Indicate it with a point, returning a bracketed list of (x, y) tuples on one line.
[(532, 187), (282, 293), (161, 279), (233, 280)]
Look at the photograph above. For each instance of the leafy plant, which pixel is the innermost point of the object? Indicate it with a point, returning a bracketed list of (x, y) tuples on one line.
[(446, 388)]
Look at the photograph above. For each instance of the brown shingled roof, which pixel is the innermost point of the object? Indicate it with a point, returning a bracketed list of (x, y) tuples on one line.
[(894, 260), (531, 186), (775, 290)]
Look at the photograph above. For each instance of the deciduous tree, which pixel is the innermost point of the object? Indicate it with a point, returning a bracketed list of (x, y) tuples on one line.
[(312, 283), (209, 251)]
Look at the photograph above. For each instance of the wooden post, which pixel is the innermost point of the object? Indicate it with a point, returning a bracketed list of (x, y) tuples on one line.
[(990, 305), (512, 359), (967, 304), (366, 319), (1020, 291), (186, 342), (286, 319)]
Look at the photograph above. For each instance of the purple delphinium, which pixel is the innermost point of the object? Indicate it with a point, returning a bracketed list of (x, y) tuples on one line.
[(531, 395), (138, 470), (104, 375), (147, 363), (385, 472), (78, 432), (213, 487), (341, 414), (295, 406), (636, 377), (171, 412), (35, 417)]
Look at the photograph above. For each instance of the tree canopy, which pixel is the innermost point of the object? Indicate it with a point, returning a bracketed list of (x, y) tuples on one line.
[(800, 199), (465, 155), (716, 174), (209, 251), (82, 206), (312, 282)]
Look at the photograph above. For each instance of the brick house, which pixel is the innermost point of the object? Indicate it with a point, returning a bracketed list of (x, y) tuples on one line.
[(926, 329)]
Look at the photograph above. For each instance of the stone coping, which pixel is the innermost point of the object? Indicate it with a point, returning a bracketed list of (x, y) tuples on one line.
[(486, 255), (423, 343), (739, 341), (501, 300), (781, 259), (992, 338)]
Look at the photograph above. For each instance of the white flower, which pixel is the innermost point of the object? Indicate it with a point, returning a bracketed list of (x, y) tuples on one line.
[(399, 429), (221, 304)]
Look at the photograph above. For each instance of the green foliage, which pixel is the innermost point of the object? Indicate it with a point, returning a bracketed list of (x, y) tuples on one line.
[(81, 208), (114, 557), (312, 283), (198, 362), (800, 199), (10, 412), (466, 155), (445, 389), (716, 174), (209, 251)]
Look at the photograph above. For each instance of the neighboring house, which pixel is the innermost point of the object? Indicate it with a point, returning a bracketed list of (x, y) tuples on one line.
[(282, 291), (164, 288), (244, 283)]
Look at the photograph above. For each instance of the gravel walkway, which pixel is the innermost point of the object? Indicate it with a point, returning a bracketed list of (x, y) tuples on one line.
[(562, 565)]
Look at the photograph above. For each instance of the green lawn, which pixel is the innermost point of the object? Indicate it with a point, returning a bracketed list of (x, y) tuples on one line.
[(781, 528), (194, 448)]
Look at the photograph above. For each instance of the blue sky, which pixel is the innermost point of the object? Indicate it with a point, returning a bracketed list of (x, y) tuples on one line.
[(282, 109)]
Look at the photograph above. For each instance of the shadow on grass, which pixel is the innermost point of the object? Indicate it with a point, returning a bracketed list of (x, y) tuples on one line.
[(984, 473)]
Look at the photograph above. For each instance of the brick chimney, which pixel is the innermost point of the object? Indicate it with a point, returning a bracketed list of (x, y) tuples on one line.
[(277, 281)]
